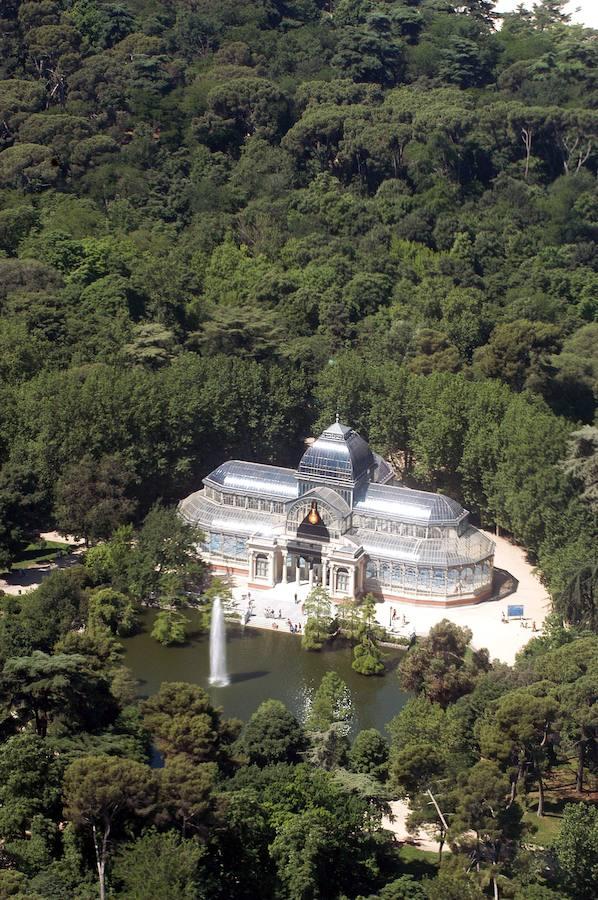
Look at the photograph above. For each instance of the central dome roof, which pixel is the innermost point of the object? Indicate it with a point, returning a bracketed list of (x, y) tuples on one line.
[(339, 453)]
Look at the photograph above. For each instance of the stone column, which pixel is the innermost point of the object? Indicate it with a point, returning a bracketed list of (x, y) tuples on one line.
[(331, 576), (297, 574), (284, 567), (311, 576), (250, 564), (324, 571), (352, 581)]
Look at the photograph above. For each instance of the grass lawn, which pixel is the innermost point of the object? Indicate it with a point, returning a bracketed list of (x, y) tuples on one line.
[(39, 552), (419, 863), (548, 825), (560, 790)]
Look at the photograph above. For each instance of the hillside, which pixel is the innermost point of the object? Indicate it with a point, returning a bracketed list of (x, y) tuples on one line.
[(222, 222)]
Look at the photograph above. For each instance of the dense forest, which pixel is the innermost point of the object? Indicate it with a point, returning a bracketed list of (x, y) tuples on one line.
[(221, 223)]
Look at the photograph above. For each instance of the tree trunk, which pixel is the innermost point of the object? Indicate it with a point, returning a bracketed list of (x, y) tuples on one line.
[(41, 723), (540, 810), (515, 782), (101, 854), (526, 134), (580, 761)]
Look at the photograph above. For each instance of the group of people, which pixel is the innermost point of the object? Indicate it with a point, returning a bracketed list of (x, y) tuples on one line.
[(294, 629), (523, 622), (396, 621)]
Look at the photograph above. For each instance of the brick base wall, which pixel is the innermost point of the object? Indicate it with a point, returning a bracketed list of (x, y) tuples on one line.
[(217, 569), (441, 603)]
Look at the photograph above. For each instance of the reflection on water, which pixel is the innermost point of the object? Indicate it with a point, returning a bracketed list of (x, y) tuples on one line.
[(263, 665)]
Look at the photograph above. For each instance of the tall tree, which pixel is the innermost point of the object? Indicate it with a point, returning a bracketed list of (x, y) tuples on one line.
[(318, 609), (272, 735), (166, 565), (44, 689), (576, 850), (183, 722), (442, 666), (91, 497), (158, 865), (517, 733), (101, 794)]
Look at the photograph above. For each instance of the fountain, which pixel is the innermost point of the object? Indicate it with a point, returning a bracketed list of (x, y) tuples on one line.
[(218, 675)]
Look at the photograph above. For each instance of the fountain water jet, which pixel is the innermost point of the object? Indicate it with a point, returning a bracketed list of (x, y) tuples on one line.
[(218, 674)]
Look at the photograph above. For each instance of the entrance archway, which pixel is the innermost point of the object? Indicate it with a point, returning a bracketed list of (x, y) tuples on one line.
[(313, 531)]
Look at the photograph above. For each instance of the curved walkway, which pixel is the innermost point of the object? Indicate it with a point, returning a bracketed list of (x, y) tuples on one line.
[(21, 581)]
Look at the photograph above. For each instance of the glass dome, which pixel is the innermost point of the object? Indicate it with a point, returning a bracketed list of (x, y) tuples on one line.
[(339, 454)]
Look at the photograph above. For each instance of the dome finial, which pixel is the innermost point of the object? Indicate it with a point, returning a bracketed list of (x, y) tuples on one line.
[(337, 417)]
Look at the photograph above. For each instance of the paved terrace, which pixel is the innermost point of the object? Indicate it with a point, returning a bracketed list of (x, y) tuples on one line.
[(485, 619)]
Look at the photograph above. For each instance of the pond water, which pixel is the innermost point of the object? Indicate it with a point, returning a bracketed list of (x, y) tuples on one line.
[(263, 665)]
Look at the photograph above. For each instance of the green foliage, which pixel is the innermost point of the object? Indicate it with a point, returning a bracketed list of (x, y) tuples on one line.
[(220, 224), (454, 885), (31, 777), (182, 721), (91, 498), (367, 658), (424, 750), (369, 754), (441, 666), (317, 607), (166, 565), (159, 865), (170, 627), (331, 704), (514, 732), (272, 735), (44, 690), (576, 850), (110, 609), (46, 614), (185, 793), (101, 793)]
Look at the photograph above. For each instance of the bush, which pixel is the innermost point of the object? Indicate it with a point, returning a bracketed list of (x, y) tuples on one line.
[(369, 754), (367, 658), (170, 627)]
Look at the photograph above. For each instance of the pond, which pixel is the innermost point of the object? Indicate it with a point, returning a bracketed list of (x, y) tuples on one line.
[(263, 665)]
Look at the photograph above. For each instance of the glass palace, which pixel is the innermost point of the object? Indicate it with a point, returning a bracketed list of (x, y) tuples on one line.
[(342, 521)]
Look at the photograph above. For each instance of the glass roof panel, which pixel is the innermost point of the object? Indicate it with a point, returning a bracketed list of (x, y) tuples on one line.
[(383, 472), (214, 517), (254, 478), (408, 505), (469, 548)]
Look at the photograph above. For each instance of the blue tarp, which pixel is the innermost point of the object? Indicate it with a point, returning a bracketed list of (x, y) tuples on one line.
[(515, 612)]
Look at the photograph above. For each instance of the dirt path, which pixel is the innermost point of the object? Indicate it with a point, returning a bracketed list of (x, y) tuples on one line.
[(396, 823)]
